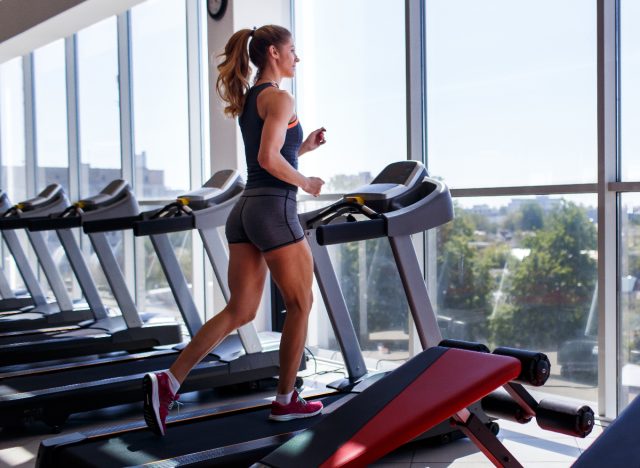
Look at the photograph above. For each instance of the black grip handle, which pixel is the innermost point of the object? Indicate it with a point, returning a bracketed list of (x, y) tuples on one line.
[(48, 223), (152, 226), (14, 223), (112, 224), (351, 231)]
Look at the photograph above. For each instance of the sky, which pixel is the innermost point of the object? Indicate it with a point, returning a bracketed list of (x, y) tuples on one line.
[(510, 85)]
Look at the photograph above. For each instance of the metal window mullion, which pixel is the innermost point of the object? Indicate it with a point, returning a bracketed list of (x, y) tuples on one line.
[(607, 44), (416, 126), (196, 135), (30, 145), (523, 190), (126, 134), (73, 129), (73, 126), (415, 79), (624, 186)]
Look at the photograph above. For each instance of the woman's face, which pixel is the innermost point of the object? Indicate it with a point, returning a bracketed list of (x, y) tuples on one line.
[(288, 58)]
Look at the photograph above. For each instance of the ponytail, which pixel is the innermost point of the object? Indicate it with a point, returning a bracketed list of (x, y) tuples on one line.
[(234, 70)]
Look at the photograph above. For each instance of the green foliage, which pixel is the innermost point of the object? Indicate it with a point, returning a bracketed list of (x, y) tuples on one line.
[(465, 282), (550, 291), (386, 305), (529, 217)]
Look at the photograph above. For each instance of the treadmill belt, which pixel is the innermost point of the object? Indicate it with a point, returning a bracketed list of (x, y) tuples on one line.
[(141, 446)]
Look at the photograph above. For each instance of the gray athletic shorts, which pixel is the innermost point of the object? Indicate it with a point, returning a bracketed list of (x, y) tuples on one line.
[(265, 217)]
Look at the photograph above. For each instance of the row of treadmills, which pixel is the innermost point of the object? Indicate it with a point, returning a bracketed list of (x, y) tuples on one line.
[(59, 358)]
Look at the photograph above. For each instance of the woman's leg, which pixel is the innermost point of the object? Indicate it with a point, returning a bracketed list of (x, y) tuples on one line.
[(247, 272), (291, 268)]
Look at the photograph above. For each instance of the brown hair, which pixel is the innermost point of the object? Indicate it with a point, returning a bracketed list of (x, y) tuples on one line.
[(234, 72)]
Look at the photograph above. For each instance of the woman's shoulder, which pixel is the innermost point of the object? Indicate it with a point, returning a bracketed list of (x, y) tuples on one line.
[(276, 99)]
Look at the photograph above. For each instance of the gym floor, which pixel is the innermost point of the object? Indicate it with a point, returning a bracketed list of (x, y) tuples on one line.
[(532, 446)]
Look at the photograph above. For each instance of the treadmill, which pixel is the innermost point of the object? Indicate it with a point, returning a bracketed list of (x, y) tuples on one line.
[(43, 315), (9, 301), (105, 333), (409, 201), (52, 394)]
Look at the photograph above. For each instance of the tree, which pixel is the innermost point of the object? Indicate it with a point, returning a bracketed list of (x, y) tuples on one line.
[(464, 280), (550, 290), (529, 217)]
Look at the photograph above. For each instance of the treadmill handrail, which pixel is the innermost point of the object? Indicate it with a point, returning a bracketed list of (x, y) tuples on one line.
[(110, 224), (52, 223), (416, 217)]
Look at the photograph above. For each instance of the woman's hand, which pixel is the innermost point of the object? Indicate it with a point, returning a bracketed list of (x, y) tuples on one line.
[(313, 141), (313, 186)]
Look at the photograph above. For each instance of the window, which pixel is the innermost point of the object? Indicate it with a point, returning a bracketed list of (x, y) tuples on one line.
[(12, 149), (161, 120), (50, 97), (630, 94), (629, 216), (98, 107), (339, 86), (343, 46), (522, 272), (161, 130), (629, 297), (511, 86)]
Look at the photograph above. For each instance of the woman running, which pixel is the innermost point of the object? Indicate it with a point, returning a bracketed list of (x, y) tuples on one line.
[(263, 229)]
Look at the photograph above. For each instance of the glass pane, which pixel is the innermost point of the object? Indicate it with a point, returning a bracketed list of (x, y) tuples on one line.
[(511, 85), (629, 92), (98, 106), (116, 241), (12, 151), (159, 67), (629, 290), (12, 144), (50, 96), (377, 305), (338, 86), (522, 272), (156, 295)]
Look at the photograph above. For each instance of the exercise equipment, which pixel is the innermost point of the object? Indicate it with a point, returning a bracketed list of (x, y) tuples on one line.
[(43, 315), (220, 427), (55, 392), (617, 446), (401, 200), (105, 333), (10, 300), (356, 435)]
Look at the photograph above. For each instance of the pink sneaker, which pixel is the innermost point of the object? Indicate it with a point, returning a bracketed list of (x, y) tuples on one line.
[(158, 400), (296, 409)]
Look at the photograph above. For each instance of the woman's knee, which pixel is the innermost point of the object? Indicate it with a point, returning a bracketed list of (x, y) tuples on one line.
[(241, 315), (299, 302)]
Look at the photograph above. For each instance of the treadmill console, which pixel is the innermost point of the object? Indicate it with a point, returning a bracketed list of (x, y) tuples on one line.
[(221, 186), (49, 195), (113, 192), (392, 187)]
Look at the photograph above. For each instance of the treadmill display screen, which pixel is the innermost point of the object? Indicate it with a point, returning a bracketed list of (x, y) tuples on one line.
[(398, 173)]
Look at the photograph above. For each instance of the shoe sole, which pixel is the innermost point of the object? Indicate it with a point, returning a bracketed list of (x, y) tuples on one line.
[(152, 404), (289, 417)]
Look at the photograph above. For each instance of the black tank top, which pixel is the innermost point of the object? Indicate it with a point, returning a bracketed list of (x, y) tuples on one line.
[(251, 127)]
